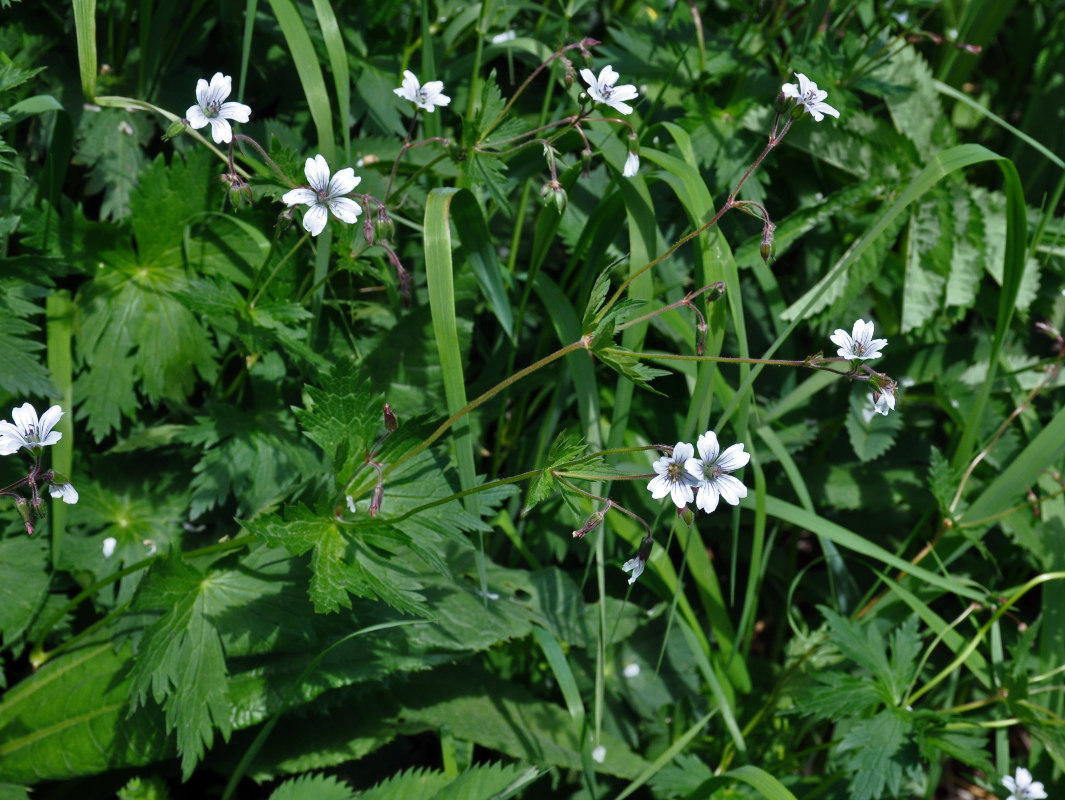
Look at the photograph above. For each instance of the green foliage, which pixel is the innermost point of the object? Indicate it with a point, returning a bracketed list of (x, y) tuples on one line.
[(299, 561)]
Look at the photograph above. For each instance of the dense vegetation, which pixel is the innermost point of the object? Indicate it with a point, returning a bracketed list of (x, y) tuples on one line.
[(444, 400)]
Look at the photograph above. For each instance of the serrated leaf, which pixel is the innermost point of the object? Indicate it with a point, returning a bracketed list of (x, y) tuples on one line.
[(168, 197), (871, 434), (313, 787), (596, 298), (626, 363), (940, 479), (488, 782), (22, 369), (565, 447), (180, 662), (151, 788), (968, 254), (413, 784), (110, 143), (869, 749), (839, 695), (927, 263), (860, 642)]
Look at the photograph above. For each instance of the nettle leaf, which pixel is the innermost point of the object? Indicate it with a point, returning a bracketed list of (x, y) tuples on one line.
[(22, 371), (992, 207), (869, 750), (315, 787), (839, 695), (181, 663), (941, 479), (625, 362), (969, 251), (258, 457), (343, 417), (260, 328), (170, 196), (871, 434), (111, 143), (928, 251), (566, 447)]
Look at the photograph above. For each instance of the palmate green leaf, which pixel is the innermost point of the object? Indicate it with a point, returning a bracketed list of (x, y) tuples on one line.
[(180, 663), (258, 457), (314, 787), (869, 750), (343, 417), (168, 198), (412, 784), (839, 695), (70, 718), (134, 329), (861, 643)]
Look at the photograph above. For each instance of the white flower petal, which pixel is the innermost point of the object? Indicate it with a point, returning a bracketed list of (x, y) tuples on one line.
[(707, 497), (221, 132), (344, 182), (345, 209), (195, 117), (317, 171), (109, 546), (314, 219), (301, 196), (635, 566), (238, 112), (732, 489)]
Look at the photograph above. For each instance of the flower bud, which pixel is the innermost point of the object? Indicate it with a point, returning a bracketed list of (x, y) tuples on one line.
[(590, 524), (783, 104), (177, 127), (553, 193), (383, 226), (586, 162), (391, 423), (766, 248), (26, 513), (376, 499)]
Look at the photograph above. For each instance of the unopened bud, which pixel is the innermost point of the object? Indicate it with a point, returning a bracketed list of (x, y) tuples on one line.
[(238, 189), (383, 226), (177, 127), (685, 514), (783, 104), (554, 194), (26, 513), (391, 423), (377, 498), (590, 524), (586, 162), (700, 338), (766, 248)]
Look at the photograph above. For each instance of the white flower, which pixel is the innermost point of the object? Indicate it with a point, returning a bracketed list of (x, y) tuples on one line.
[(211, 108), (506, 36), (324, 195), (599, 754), (1022, 787), (603, 90), (64, 490), (351, 503), (808, 96), (860, 344), (710, 472), (672, 479), (428, 97), (28, 431), (631, 670), (109, 546), (632, 165), (635, 566), (883, 402)]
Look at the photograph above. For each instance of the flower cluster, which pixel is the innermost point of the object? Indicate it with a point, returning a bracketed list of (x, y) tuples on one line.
[(859, 346), (705, 479), (29, 432)]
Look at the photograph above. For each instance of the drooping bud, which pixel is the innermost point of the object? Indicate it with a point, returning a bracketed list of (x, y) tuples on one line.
[(590, 524), (376, 499), (554, 194), (384, 228), (177, 127), (766, 248), (238, 189), (391, 423), (26, 513)]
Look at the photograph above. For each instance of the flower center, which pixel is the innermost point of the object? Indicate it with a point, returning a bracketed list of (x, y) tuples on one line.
[(674, 473), (211, 109), (711, 471), (323, 195)]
